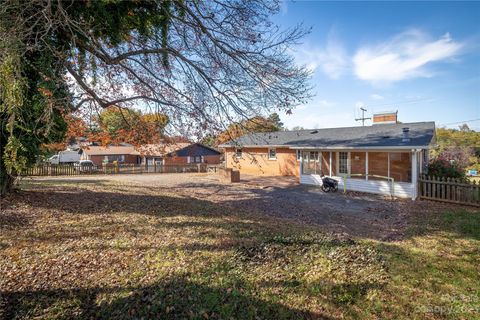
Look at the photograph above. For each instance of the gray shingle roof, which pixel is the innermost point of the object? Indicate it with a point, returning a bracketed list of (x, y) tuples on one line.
[(375, 136)]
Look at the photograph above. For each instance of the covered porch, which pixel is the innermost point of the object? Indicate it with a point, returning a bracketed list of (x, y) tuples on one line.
[(388, 172)]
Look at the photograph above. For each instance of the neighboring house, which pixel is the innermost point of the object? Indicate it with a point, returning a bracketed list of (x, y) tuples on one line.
[(150, 154), (369, 158), (193, 153), (122, 154)]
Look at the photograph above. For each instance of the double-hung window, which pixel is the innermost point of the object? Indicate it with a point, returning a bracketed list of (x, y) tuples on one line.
[(272, 154), (343, 162)]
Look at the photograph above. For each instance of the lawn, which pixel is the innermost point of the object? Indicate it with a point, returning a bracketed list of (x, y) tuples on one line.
[(105, 249)]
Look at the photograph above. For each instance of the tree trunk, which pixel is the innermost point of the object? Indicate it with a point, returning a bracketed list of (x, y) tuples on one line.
[(6, 180)]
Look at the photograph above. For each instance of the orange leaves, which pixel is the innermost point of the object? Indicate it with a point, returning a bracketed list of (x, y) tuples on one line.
[(45, 92)]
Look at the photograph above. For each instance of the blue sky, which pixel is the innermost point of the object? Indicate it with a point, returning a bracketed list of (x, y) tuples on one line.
[(421, 58)]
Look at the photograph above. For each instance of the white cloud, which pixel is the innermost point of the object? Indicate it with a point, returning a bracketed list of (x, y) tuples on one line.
[(405, 56), (375, 96), (331, 60)]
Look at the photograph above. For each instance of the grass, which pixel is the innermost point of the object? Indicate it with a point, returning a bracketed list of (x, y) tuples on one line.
[(105, 251)]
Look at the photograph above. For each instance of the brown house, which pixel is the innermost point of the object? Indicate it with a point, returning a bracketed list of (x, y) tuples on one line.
[(383, 158), (99, 155), (166, 154)]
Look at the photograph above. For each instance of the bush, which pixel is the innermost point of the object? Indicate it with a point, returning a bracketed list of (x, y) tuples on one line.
[(444, 168), (451, 163)]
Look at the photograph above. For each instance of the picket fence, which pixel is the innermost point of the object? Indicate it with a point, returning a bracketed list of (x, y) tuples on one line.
[(451, 190)]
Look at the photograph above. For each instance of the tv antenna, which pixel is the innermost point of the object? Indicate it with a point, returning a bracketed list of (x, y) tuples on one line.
[(363, 116)]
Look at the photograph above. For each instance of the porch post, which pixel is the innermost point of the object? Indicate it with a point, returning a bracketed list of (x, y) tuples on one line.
[(414, 174), (366, 165), (330, 166), (301, 161)]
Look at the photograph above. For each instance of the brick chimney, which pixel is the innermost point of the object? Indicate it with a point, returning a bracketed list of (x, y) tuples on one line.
[(385, 117)]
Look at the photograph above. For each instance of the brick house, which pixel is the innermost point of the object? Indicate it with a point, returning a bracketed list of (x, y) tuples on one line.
[(172, 153), (193, 153), (384, 158), (99, 155)]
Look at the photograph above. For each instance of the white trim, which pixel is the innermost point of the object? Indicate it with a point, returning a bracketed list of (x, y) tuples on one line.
[(383, 187), (272, 158), (354, 148), (330, 166), (236, 153), (366, 165), (414, 174), (388, 164), (325, 147)]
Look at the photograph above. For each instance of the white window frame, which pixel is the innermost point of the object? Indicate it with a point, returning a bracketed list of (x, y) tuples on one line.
[(348, 163), (269, 155), (238, 153)]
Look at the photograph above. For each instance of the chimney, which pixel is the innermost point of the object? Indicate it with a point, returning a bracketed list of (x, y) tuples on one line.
[(385, 117), (405, 134)]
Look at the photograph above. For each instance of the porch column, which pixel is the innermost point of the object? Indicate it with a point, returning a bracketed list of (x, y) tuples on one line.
[(330, 166), (366, 165), (414, 174), (301, 162)]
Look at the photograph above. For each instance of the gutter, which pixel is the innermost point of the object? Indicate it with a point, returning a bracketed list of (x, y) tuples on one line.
[(326, 148)]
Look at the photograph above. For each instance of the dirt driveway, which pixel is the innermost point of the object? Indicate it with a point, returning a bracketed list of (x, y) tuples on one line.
[(352, 214)]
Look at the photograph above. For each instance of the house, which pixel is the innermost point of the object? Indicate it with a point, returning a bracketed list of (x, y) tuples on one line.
[(384, 158), (100, 154), (171, 153), (193, 153)]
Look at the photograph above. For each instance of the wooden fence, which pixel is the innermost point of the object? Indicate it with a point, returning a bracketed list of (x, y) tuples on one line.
[(71, 170), (449, 190)]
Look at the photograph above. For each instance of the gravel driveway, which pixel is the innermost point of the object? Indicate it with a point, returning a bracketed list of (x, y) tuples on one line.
[(352, 214)]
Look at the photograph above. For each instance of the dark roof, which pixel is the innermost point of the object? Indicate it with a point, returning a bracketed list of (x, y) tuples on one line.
[(195, 149), (375, 136)]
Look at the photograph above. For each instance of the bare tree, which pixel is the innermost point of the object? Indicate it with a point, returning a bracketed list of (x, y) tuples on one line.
[(218, 60), (203, 64)]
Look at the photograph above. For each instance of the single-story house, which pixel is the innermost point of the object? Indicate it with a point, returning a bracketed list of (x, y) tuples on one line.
[(384, 158), (193, 153), (171, 153), (108, 154)]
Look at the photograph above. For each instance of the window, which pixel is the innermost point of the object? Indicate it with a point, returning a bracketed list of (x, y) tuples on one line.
[(343, 162), (238, 153), (299, 155), (197, 159), (311, 162), (112, 158), (272, 154)]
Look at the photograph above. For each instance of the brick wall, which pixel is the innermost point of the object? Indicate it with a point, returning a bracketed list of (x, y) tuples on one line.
[(175, 160), (255, 161), (98, 159), (326, 163), (400, 166), (357, 160), (212, 159)]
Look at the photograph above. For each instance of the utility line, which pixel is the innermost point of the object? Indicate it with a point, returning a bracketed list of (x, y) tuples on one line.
[(459, 122)]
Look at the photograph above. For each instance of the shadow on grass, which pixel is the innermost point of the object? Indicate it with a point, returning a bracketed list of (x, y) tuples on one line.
[(172, 299)]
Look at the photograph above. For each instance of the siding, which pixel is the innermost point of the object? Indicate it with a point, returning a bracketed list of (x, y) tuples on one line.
[(401, 189), (255, 161)]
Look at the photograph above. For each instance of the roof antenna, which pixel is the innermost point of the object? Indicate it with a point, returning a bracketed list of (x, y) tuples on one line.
[(363, 117)]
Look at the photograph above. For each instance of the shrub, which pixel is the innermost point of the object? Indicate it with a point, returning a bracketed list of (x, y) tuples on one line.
[(451, 163)]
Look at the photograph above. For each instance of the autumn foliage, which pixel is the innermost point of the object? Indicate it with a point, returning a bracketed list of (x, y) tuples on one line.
[(255, 124)]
